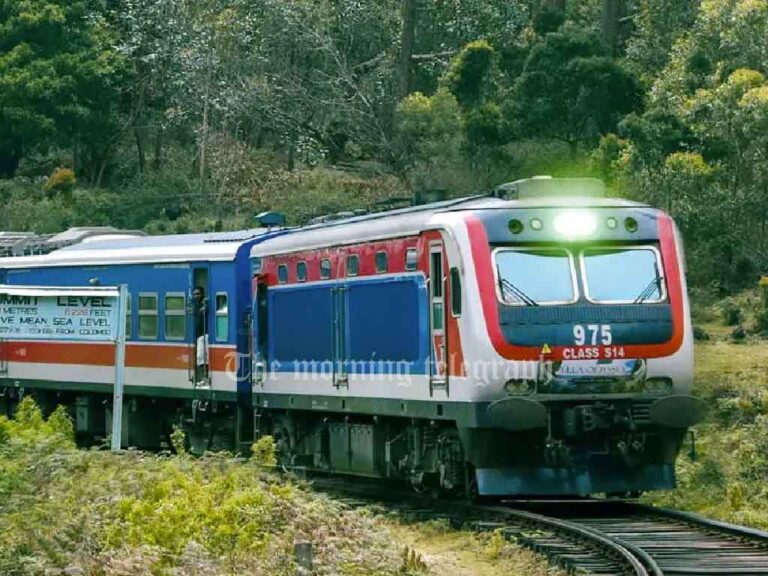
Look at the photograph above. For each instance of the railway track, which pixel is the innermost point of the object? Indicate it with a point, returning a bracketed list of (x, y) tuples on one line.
[(602, 537), (644, 540)]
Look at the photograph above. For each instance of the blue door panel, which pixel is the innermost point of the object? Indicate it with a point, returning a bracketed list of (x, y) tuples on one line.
[(300, 325)]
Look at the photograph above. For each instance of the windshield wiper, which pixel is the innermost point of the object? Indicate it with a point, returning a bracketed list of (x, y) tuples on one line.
[(653, 286), (507, 286)]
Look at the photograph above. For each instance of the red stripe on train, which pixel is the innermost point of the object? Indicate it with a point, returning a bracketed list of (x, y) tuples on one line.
[(166, 356)]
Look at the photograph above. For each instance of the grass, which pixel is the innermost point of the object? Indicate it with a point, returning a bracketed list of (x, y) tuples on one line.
[(729, 479), (450, 552)]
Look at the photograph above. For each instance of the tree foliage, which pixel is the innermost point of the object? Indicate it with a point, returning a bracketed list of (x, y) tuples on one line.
[(175, 116)]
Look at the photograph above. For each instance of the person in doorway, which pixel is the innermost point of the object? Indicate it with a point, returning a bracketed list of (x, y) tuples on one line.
[(200, 316)]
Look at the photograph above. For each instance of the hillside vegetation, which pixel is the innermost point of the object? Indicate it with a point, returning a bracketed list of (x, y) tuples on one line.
[(94, 513), (184, 116)]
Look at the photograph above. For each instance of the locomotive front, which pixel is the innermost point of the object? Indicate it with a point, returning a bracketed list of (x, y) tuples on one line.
[(588, 361)]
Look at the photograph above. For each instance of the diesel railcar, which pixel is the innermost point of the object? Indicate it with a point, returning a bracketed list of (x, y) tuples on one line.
[(537, 341)]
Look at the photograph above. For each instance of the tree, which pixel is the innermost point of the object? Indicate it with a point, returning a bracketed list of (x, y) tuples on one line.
[(570, 90), (470, 76), (59, 82), (429, 131)]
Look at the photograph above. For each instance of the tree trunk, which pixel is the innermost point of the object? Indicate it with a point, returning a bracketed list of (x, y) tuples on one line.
[(206, 107), (613, 11), (140, 148), (407, 38), (157, 162)]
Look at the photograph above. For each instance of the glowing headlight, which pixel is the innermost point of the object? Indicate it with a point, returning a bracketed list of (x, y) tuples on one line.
[(575, 224)]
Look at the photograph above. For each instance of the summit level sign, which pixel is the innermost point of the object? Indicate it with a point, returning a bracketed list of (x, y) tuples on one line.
[(37, 314), (64, 313)]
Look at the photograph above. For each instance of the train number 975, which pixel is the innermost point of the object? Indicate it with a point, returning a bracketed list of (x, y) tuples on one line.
[(592, 334)]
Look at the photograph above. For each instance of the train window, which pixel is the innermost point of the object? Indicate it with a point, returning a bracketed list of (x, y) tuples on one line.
[(301, 272), (147, 316), (128, 316), (455, 292), (175, 316), (381, 262), (437, 274), (325, 269), (256, 266), (353, 265), (627, 275), (411, 259), (222, 317), (282, 274), (530, 277)]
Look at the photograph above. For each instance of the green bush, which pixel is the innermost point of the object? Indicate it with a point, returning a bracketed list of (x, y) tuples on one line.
[(264, 451), (93, 512), (731, 313)]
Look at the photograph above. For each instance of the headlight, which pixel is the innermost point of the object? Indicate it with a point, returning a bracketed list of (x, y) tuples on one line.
[(575, 224), (658, 385), (518, 387)]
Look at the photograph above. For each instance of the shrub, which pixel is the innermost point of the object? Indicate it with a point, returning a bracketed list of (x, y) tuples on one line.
[(264, 451), (731, 313), (61, 180)]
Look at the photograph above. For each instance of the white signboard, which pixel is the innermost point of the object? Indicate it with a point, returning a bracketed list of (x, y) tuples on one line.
[(66, 313), (30, 313)]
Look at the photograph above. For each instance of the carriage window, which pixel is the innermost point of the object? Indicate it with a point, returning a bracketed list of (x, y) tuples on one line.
[(534, 277), (175, 317), (148, 316), (128, 316), (455, 292), (222, 317), (282, 274), (623, 275), (325, 269), (381, 262), (353, 265), (411, 259), (301, 272)]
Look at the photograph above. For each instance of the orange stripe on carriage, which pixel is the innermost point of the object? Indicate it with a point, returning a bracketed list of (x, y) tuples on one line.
[(167, 356)]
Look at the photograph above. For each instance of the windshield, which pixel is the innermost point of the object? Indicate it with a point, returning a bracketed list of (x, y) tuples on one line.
[(630, 275), (533, 277)]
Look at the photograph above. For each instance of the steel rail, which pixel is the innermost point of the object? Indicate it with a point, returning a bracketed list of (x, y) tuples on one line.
[(579, 532)]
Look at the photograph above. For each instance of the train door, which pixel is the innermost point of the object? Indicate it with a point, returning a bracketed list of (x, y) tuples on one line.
[(3, 341), (347, 266), (200, 310), (258, 332), (438, 378)]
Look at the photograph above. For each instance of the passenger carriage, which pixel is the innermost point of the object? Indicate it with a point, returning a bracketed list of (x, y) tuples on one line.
[(164, 386)]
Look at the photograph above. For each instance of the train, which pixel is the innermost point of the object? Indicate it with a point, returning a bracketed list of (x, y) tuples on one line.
[(535, 340)]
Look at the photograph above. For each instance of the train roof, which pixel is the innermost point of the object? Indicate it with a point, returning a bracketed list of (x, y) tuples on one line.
[(410, 221), (216, 246)]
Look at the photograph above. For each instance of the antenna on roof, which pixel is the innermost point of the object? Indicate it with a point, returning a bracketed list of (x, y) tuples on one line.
[(270, 219)]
